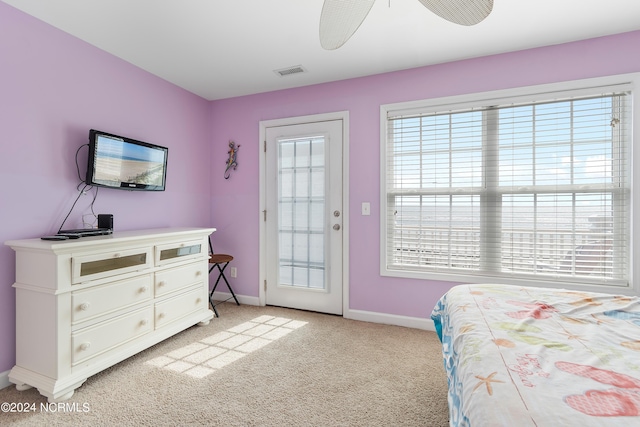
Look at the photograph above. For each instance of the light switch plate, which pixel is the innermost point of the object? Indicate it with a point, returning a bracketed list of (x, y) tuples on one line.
[(366, 208)]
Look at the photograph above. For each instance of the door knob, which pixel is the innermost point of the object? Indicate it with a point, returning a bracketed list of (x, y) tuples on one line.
[(336, 226)]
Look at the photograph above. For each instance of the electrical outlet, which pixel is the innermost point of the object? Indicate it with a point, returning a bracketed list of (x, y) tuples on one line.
[(366, 208), (234, 272)]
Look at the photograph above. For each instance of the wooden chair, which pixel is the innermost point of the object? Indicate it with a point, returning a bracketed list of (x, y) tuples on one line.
[(221, 261)]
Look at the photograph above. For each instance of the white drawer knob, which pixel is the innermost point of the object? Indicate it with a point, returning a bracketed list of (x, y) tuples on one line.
[(144, 289), (116, 255), (85, 306), (161, 316), (198, 300), (198, 273), (160, 284), (85, 346), (143, 322)]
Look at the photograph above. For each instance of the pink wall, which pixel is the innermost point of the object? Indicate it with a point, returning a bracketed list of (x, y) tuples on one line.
[(235, 203), (53, 89)]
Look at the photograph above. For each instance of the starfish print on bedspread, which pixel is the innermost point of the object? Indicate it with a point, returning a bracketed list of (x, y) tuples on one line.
[(487, 381)]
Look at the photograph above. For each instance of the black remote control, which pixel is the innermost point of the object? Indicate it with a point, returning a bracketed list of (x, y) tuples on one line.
[(69, 235), (54, 238)]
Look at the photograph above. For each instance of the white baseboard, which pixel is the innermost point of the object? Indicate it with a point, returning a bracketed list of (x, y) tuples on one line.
[(242, 299), (365, 316), (4, 380), (390, 319)]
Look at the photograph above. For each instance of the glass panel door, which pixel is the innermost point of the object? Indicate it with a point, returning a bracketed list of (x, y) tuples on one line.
[(301, 201), (303, 176)]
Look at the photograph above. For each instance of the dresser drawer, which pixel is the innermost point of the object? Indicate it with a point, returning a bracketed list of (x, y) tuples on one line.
[(97, 266), (179, 306), (90, 342), (93, 302), (179, 277), (174, 252)]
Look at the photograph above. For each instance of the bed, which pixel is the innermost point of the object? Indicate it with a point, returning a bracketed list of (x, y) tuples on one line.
[(521, 356)]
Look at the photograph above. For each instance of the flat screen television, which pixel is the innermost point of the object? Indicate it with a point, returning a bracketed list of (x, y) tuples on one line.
[(124, 163)]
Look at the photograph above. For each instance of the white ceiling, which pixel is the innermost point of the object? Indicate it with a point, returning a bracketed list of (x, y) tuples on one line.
[(226, 48)]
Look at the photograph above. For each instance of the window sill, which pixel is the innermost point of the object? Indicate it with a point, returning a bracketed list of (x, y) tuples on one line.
[(575, 284)]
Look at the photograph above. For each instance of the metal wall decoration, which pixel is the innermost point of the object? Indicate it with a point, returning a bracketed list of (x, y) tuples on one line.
[(232, 161)]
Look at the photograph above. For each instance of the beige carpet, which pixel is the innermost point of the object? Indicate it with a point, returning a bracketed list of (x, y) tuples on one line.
[(262, 366)]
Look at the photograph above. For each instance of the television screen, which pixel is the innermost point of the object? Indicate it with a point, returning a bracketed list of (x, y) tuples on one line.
[(124, 163)]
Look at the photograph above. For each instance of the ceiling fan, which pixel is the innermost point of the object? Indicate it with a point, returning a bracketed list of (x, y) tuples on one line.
[(340, 19)]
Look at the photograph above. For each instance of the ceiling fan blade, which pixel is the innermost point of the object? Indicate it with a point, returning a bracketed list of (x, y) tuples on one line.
[(463, 12), (340, 19)]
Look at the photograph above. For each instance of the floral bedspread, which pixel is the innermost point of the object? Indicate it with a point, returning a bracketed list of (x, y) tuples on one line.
[(521, 356)]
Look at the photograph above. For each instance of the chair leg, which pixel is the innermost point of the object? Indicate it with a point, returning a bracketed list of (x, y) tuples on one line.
[(221, 275), (213, 306)]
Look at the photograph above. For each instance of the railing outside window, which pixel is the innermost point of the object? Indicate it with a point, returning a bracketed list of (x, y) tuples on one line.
[(535, 189)]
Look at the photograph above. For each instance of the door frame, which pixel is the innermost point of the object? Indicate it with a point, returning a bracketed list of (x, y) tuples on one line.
[(264, 124)]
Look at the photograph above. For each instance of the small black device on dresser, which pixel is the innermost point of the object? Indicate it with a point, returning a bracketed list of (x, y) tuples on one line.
[(105, 221)]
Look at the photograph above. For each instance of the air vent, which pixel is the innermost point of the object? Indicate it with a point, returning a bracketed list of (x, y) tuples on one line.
[(290, 70)]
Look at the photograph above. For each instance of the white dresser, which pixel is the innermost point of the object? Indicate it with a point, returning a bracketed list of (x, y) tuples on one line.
[(84, 305)]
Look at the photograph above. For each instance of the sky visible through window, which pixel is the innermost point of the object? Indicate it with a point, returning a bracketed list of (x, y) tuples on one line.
[(566, 145)]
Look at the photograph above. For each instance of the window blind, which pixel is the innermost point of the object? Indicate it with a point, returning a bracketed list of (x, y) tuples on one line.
[(536, 190)]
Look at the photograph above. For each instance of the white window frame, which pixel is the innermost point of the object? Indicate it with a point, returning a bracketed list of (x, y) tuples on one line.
[(521, 95)]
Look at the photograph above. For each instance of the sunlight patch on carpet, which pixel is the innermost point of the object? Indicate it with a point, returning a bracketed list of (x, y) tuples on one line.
[(204, 357)]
